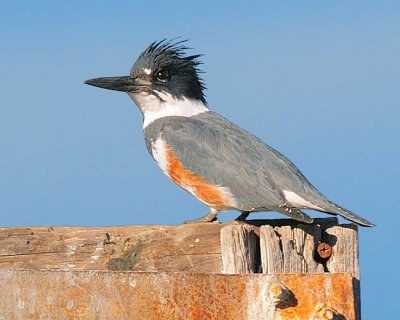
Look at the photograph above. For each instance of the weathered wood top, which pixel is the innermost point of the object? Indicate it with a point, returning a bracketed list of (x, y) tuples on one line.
[(277, 246), (123, 248)]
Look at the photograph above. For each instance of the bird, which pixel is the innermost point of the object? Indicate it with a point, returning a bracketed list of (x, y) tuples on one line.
[(222, 165)]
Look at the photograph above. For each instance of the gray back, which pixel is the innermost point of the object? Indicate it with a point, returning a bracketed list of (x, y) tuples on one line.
[(212, 147)]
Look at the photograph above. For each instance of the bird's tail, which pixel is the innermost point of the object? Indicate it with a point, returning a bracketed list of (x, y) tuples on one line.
[(335, 209)]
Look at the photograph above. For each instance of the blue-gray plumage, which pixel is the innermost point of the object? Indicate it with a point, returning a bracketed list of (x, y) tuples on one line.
[(221, 164)]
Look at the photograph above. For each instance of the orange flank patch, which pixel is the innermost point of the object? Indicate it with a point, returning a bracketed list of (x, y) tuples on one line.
[(211, 195)]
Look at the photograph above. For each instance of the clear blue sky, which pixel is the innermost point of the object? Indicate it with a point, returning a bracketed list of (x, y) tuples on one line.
[(317, 80)]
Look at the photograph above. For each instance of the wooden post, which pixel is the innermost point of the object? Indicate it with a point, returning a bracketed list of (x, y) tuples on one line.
[(270, 269), (239, 249), (344, 242), (292, 248)]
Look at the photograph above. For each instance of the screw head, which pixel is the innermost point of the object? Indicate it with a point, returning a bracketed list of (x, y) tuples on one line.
[(324, 250)]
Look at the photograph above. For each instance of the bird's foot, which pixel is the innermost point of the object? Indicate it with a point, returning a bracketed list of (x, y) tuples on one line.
[(210, 217), (298, 215), (243, 216)]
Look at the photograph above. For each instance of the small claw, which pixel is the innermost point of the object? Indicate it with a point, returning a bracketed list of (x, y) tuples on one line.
[(299, 215), (210, 217)]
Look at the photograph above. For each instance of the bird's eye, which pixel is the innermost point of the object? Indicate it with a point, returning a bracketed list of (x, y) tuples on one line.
[(163, 75)]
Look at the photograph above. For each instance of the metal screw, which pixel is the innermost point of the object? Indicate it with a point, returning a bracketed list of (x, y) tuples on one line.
[(324, 250)]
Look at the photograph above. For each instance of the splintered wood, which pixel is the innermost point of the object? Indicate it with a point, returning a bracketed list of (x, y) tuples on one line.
[(238, 249), (290, 250), (345, 256), (267, 246)]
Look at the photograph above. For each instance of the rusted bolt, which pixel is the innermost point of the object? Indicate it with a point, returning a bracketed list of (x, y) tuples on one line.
[(325, 313), (324, 250), (328, 314), (278, 293)]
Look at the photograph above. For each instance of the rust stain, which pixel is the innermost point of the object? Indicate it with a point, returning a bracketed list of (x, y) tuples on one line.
[(36, 294), (204, 190), (331, 290)]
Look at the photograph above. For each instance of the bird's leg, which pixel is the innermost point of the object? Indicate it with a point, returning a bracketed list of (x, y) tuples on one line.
[(243, 216), (210, 217)]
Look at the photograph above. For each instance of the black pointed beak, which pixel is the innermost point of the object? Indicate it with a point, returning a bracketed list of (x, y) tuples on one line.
[(125, 84)]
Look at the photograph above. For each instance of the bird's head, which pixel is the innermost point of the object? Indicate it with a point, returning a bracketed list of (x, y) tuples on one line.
[(162, 73)]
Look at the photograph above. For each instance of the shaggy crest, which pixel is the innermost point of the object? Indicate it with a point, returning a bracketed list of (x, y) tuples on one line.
[(171, 56)]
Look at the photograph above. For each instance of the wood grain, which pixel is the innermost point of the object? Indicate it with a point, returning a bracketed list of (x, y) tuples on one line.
[(285, 246), (193, 247), (344, 242), (239, 249)]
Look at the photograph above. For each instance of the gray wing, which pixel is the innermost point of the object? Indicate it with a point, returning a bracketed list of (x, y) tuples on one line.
[(227, 155)]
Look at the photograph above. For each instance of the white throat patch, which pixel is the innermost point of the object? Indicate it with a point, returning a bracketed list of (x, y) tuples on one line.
[(152, 108)]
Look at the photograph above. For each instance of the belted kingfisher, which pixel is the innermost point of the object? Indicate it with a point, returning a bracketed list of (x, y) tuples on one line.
[(221, 164)]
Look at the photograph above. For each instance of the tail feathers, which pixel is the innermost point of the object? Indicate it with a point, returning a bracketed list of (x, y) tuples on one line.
[(338, 210)]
